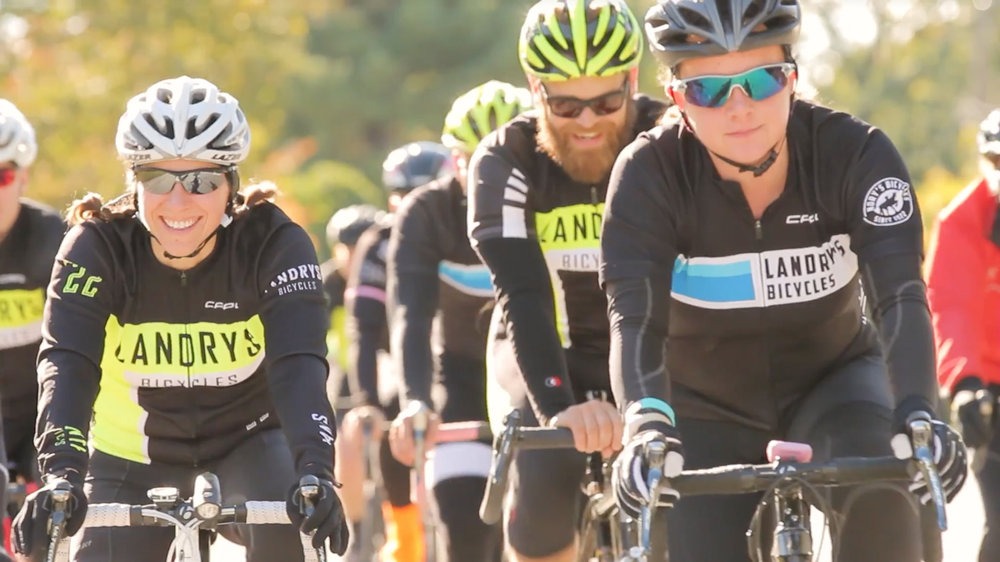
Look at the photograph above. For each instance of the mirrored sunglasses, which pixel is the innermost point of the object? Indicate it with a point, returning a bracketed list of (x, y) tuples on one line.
[(198, 182), (714, 90)]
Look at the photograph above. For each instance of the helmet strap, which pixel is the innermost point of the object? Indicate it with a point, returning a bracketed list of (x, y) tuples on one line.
[(760, 168), (197, 250)]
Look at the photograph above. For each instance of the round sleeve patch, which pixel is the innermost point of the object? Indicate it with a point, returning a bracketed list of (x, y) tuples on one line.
[(888, 202)]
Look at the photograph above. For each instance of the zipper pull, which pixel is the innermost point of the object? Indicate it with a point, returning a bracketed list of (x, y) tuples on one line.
[(593, 194), (184, 279), (758, 230)]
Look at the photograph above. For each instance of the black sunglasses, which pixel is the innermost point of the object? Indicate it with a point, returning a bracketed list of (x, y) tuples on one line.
[(199, 181), (569, 107)]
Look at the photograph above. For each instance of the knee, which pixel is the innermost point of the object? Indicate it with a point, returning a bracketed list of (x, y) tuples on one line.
[(541, 521)]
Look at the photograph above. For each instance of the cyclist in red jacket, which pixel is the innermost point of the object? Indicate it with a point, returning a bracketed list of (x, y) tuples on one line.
[(963, 282)]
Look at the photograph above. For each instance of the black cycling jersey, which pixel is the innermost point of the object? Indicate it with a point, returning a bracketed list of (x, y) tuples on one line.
[(538, 230), (334, 285), (26, 257), (744, 316), (434, 275), (189, 363), (366, 305)]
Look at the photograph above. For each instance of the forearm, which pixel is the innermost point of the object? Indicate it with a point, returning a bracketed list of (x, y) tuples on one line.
[(638, 339), (414, 304), (412, 349), (68, 386), (898, 300), (370, 323), (525, 295), (298, 389)]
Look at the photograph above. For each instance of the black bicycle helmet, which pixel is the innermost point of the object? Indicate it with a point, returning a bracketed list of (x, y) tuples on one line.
[(349, 223), (678, 30), (412, 165)]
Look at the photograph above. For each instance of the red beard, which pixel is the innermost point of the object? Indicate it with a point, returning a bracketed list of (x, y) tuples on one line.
[(585, 166)]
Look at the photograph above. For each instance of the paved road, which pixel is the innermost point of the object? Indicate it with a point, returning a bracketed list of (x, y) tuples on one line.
[(961, 541)]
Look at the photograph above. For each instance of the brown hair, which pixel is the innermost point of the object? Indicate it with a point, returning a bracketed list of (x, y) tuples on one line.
[(92, 206)]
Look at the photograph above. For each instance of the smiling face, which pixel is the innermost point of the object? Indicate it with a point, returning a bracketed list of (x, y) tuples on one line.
[(743, 130), (585, 145), (180, 221)]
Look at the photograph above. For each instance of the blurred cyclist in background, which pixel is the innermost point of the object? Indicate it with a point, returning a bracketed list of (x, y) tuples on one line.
[(342, 233), (438, 290), (404, 169), (963, 287), (29, 238), (536, 198)]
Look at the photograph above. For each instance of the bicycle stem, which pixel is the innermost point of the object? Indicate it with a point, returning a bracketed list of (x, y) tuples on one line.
[(923, 435)]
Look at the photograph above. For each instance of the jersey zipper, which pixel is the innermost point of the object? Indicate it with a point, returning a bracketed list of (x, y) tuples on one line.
[(593, 194), (758, 230), (187, 327)]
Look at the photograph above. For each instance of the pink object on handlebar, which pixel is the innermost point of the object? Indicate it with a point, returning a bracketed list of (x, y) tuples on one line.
[(789, 451)]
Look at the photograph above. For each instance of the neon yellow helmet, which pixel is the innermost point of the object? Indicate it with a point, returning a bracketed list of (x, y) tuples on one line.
[(563, 39), (480, 111)]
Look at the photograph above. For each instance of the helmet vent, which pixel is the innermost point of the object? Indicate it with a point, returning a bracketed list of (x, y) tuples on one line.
[(168, 125), (751, 12)]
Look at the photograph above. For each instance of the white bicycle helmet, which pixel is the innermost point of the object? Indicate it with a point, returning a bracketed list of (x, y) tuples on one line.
[(183, 117), (17, 136), (988, 138)]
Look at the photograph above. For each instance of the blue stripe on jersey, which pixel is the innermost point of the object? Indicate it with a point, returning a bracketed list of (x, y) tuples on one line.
[(470, 279), (714, 282)]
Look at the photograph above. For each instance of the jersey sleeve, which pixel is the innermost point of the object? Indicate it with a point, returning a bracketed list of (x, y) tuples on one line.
[(293, 313), (638, 251), (414, 256), (501, 231), (80, 302), (958, 243), (887, 235), (366, 287)]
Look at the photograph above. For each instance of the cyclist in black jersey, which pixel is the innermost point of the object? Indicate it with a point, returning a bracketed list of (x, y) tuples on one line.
[(29, 238), (734, 238), (404, 169), (438, 292), (536, 197), (184, 331), (342, 233)]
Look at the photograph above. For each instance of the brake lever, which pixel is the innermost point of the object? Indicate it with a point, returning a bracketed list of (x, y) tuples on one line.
[(309, 489), (60, 497), (923, 435), (656, 456)]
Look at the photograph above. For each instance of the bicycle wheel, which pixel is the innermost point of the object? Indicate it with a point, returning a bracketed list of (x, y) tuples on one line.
[(371, 536)]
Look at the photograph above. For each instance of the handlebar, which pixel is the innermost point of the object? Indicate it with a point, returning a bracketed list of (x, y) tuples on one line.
[(203, 511), (723, 480)]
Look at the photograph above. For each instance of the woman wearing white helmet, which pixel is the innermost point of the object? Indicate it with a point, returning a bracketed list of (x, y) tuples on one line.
[(29, 237), (186, 320)]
